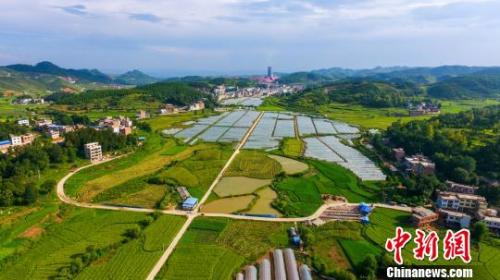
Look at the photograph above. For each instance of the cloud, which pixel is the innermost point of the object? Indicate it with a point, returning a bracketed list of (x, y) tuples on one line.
[(146, 17), (225, 34), (79, 10)]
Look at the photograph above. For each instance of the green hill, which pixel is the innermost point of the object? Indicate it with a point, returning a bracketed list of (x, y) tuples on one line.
[(46, 67), (135, 77), (479, 85), (366, 93), (152, 95)]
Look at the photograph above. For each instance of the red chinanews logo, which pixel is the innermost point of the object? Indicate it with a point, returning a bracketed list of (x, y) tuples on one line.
[(455, 245)]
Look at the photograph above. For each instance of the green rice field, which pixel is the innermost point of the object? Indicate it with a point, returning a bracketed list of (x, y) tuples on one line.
[(80, 228), (254, 164), (221, 247)]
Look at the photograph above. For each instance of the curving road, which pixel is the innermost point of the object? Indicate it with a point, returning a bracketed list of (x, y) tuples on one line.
[(191, 215)]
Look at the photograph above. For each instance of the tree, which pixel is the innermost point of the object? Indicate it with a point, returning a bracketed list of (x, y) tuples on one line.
[(56, 154), (479, 232), (369, 267), (460, 175), (340, 274), (6, 197), (47, 186), (30, 194), (133, 233)]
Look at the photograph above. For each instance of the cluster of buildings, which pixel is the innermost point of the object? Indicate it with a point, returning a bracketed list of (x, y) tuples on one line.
[(284, 265), (423, 108), (16, 141), (458, 206), (168, 109), (417, 164), (119, 125), (54, 131), (29, 100), (222, 92)]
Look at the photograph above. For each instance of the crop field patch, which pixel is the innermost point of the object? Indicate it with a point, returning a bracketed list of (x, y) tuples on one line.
[(302, 196), (352, 249), (228, 205), (229, 186), (90, 182), (181, 175), (254, 164), (149, 197), (292, 147), (263, 204), (236, 243), (83, 228), (290, 166)]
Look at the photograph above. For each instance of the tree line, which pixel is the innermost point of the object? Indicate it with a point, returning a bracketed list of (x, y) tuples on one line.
[(22, 167)]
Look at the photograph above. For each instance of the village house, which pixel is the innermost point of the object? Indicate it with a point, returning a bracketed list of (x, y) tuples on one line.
[(183, 192), (200, 105), (4, 146), (169, 109), (493, 223), (141, 114), (423, 109), (461, 202), (24, 122), (43, 123), (398, 153), (120, 125), (419, 164), (454, 218), (422, 217), (93, 151), (53, 134), (460, 188), (16, 140)]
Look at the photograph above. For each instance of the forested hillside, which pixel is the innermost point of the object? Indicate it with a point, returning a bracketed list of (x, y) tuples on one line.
[(46, 67), (168, 92), (135, 77), (366, 93), (469, 86), (465, 146)]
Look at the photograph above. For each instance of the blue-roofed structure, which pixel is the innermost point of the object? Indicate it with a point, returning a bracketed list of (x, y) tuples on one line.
[(5, 142), (365, 209), (365, 220), (189, 203)]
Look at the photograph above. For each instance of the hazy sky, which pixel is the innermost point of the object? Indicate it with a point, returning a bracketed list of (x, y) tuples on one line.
[(237, 36)]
